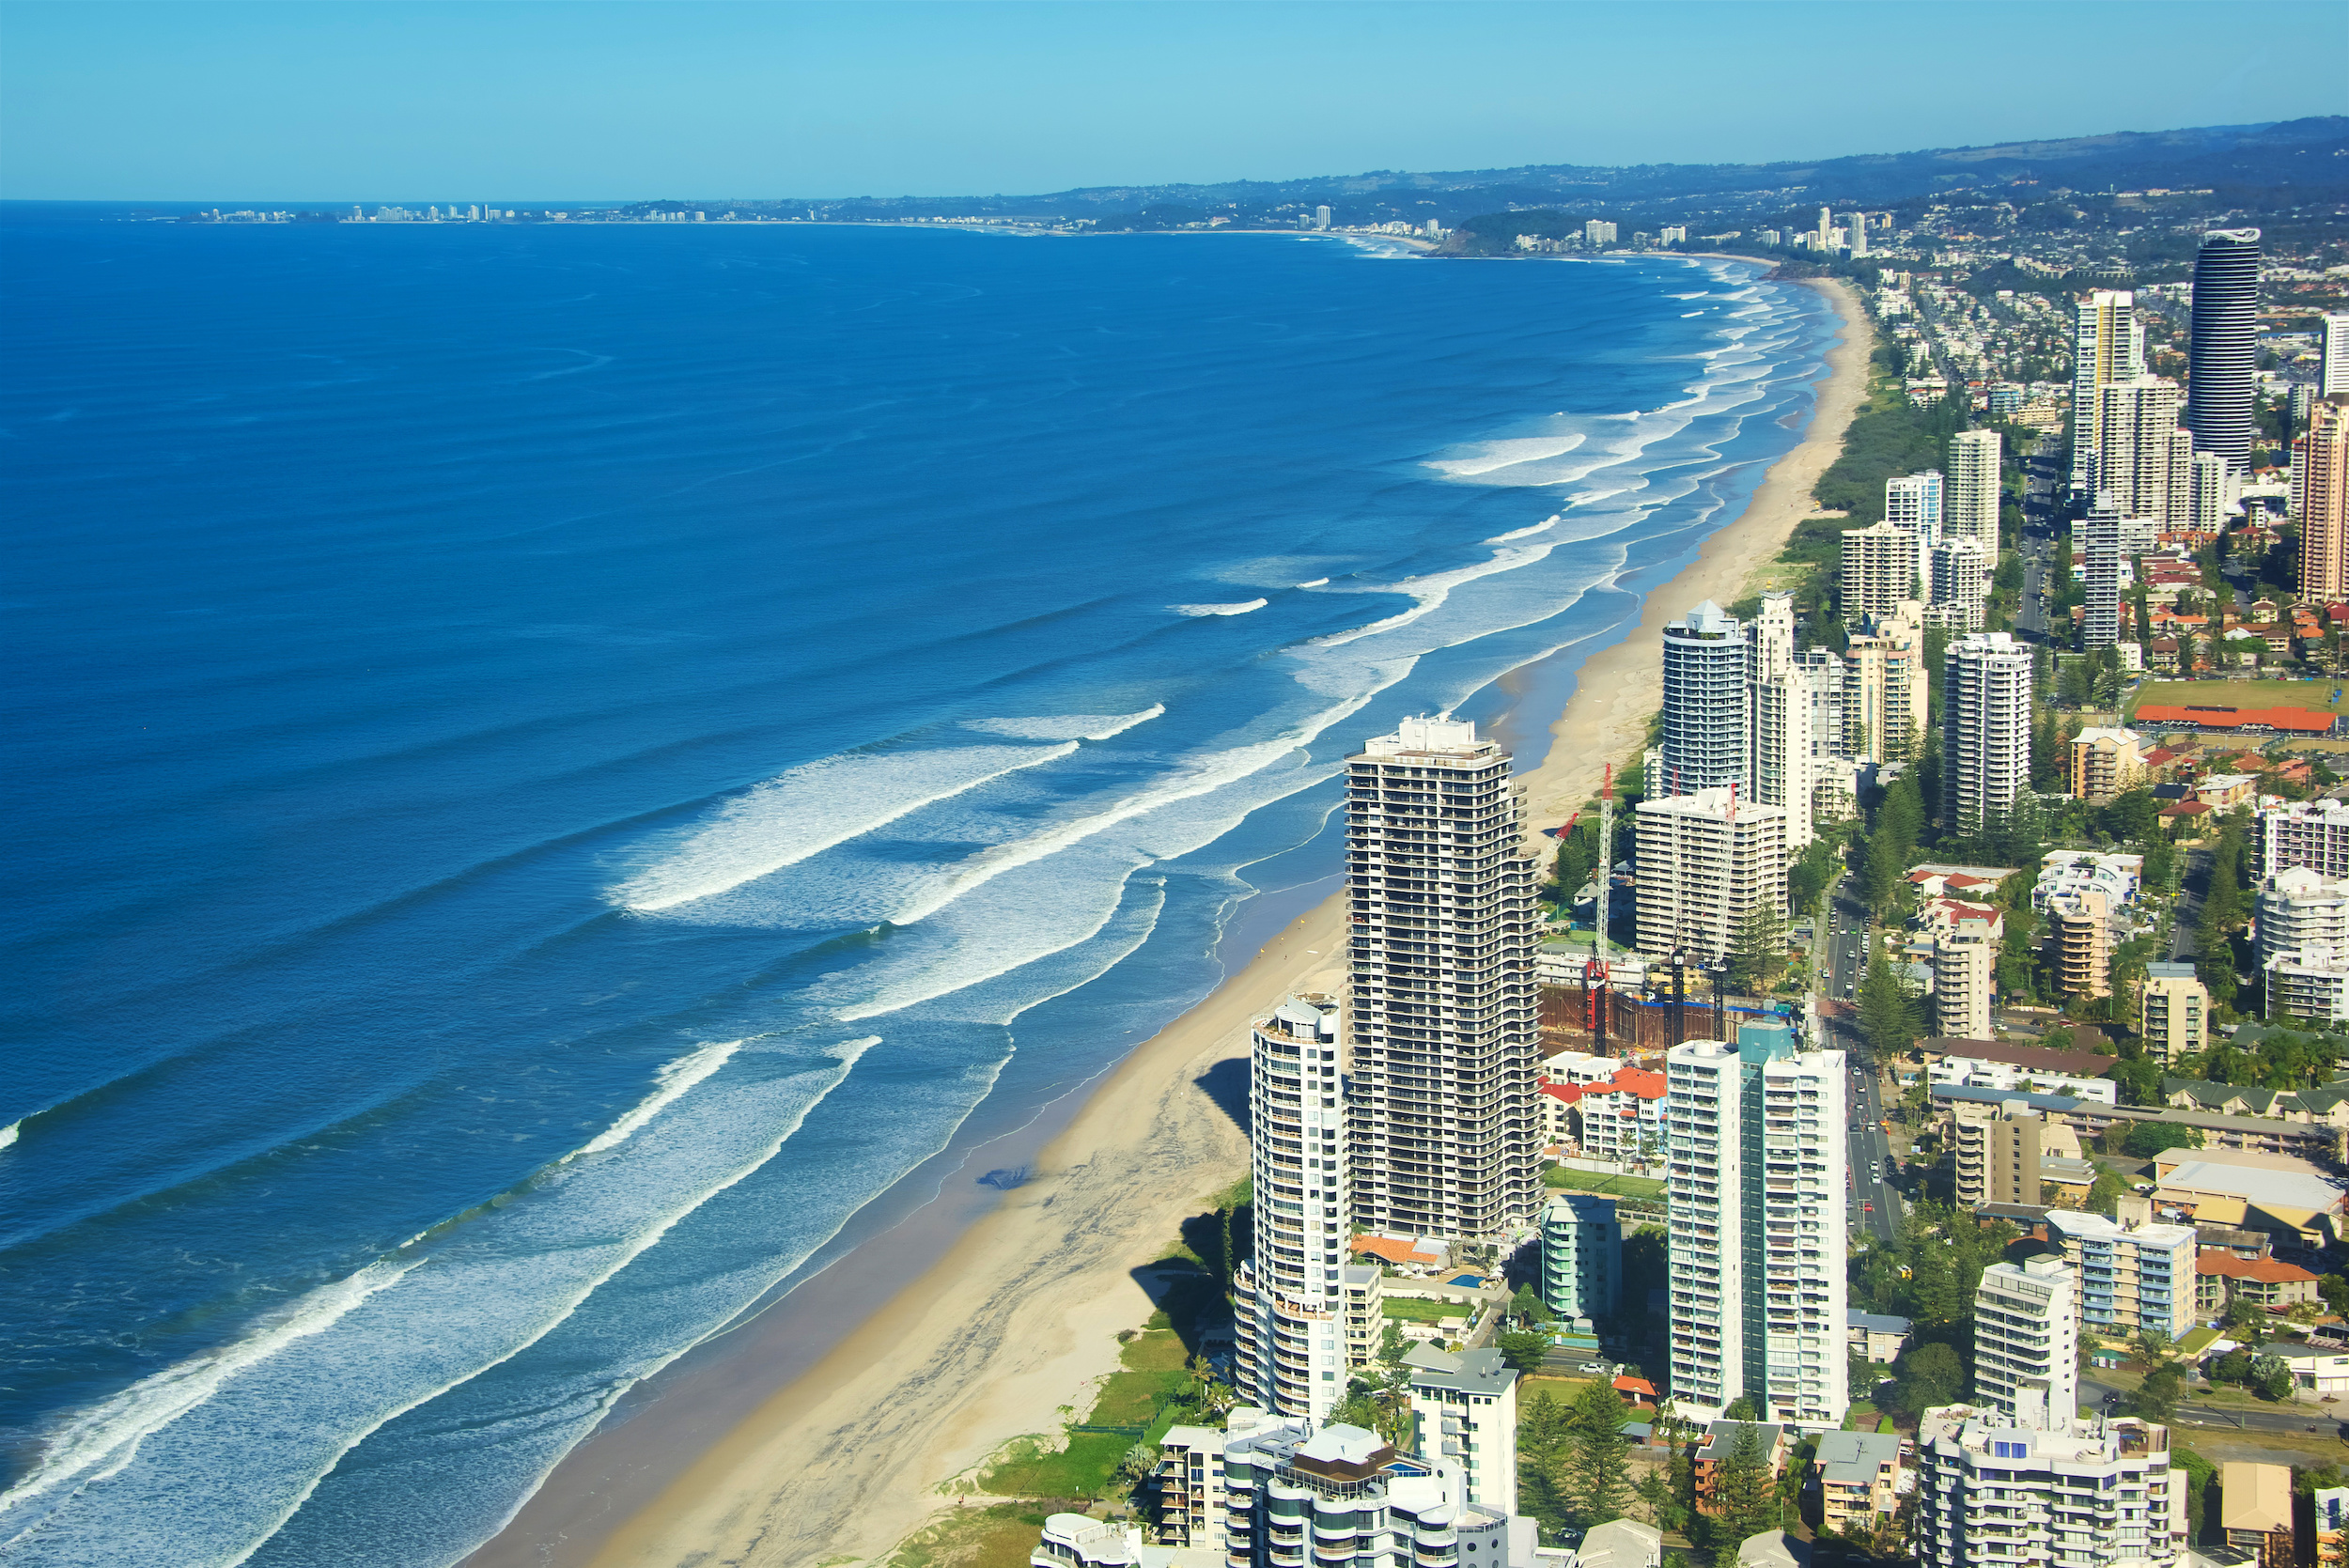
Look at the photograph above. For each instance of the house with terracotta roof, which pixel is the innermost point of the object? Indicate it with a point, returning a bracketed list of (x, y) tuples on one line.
[(2222, 1278), (1402, 1251), (1638, 1393)]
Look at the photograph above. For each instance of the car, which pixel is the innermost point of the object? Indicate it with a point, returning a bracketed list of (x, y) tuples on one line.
[(1593, 1366), (1867, 1208)]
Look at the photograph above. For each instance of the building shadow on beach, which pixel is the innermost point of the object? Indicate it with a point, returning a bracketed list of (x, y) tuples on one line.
[(1227, 1084)]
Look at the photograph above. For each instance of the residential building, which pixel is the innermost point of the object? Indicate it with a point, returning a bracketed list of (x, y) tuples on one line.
[(1321, 217), (1879, 568), (1597, 231), (1886, 702), (1082, 1541), (1858, 1480), (1986, 729), (2317, 1369), (2212, 491), (1707, 656), (1995, 1150), (2223, 345), (2140, 460), (1960, 577), (2108, 345), (1858, 231), (2079, 943), (1913, 501), (2301, 908), (2255, 1512), (1288, 1301), (2311, 982), (1622, 1119), (1444, 1020), (1290, 1491), (2119, 877), (2330, 1510), (1189, 1481), (1707, 860), (1798, 742), (2101, 1493), (2009, 1079), (2106, 763), (1971, 508), (1964, 973), (2173, 1012), (2222, 1279), (1879, 1336), (2332, 378), (2324, 475), (2100, 573), (2134, 1273), (2027, 1342), (1757, 1300), (1466, 1403), (1619, 1543), (1720, 1441), (2311, 833), (1582, 1256)]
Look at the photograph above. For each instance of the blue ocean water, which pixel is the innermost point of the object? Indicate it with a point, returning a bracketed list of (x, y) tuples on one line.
[(550, 765)]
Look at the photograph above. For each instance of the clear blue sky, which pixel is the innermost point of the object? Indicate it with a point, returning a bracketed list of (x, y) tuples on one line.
[(326, 102)]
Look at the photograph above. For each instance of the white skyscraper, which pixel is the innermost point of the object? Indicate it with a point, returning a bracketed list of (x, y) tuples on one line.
[(2100, 573), (1795, 702), (1321, 217), (1972, 510), (1986, 729), (1879, 569), (1289, 1299), (2333, 341), (2212, 491), (1827, 229), (1756, 1208), (2108, 345), (1446, 1137), (1707, 656), (2142, 459), (1859, 231), (2027, 1342), (2100, 1495), (1960, 575), (1707, 860)]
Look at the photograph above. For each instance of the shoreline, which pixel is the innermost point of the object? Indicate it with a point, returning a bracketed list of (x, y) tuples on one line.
[(1016, 1315)]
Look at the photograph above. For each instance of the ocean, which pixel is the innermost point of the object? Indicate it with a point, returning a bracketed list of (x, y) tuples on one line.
[(550, 767)]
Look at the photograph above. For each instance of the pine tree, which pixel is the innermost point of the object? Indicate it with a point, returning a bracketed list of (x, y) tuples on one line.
[(1748, 1501), (1760, 952), (1597, 1479)]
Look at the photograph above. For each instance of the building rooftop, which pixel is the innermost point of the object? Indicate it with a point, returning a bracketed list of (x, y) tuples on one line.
[(1468, 1372), (2272, 1271), (2254, 1496), (1876, 1323), (2269, 1189), (1721, 1436), (2073, 1064), (1854, 1457)]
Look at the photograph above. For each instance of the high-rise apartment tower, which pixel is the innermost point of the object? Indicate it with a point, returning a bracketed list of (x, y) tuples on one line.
[(1986, 729), (1756, 1264), (2223, 345), (1446, 1137), (1706, 661), (2108, 345), (2324, 501), (1971, 509)]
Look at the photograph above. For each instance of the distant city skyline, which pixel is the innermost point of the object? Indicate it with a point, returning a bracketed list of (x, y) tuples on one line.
[(561, 102)]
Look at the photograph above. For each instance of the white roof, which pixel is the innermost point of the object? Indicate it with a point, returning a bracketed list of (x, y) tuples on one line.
[(2289, 1188), (1622, 1543), (1350, 1444)]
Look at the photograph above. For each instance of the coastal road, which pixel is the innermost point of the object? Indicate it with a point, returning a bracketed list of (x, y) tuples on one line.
[(2193, 882), (1875, 1207), (2288, 1418), (2041, 509)]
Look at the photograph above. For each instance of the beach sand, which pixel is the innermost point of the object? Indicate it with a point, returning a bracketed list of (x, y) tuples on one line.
[(1009, 1329)]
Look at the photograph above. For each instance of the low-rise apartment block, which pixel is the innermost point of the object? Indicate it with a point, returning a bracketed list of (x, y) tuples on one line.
[(2106, 763), (1858, 1479), (2134, 1274), (1582, 1256), (2172, 1012), (2255, 1512)]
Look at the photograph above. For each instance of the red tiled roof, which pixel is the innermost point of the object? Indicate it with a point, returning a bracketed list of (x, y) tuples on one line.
[(2272, 1271), (2296, 719), (1630, 1385), (2185, 808), (1566, 1092), (1393, 1249), (1632, 1080)]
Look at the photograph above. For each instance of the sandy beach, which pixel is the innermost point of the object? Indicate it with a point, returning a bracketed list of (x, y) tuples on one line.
[(1017, 1315)]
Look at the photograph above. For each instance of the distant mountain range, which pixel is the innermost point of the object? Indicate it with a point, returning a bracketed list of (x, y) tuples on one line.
[(2291, 161)]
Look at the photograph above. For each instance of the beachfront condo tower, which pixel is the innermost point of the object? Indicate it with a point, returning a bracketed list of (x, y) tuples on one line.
[(1707, 860), (1970, 510), (2222, 353), (1878, 567), (1986, 729), (2324, 501), (1439, 887), (1886, 704), (1708, 659), (1299, 1303), (2108, 345), (1756, 1195), (1795, 702)]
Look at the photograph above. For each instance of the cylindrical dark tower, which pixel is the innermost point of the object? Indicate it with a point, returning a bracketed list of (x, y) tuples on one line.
[(2223, 356)]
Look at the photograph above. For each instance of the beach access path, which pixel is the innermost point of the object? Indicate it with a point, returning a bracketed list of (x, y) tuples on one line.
[(1019, 1317)]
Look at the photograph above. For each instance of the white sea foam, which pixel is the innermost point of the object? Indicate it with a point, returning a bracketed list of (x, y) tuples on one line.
[(1431, 590), (1240, 609), (1074, 726), (1547, 524), (1486, 456), (7, 1134), (1315, 583), (265, 1420), (671, 1082), (811, 808), (100, 1441)]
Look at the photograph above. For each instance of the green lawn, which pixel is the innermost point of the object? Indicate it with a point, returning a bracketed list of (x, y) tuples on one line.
[(1410, 1308), (1079, 1470), (2193, 1342), (2239, 694), (1152, 1364), (1000, 1536), (1598, 1181)]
